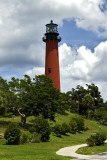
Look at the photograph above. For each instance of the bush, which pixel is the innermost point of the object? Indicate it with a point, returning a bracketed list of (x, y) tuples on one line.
[(73, 126), (97, 139), (12, 134), (61, 129), (80, 123), (24, 138), (100, 138), (91, 141), (57, 129), (65, 128), (36, 138), (42, 127), (76, 124)]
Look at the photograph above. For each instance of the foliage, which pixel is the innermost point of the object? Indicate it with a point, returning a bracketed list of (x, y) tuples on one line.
[(61, 129), (64, 103), (73, 126), (42, 127), (91, 141), (88, 104), (76, 124), (12, 134), (37, 97), (36, 138), (101, 113), (65, 128), (100, 138), (57, 129), (80, 123), (25, 138), (88, 94), (97, 139), (3, 103), (74, 107)]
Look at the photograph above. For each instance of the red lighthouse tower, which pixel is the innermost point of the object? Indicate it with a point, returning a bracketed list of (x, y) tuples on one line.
[(52, 56)]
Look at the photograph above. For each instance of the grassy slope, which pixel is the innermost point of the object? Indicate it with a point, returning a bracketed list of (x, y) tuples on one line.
[(45, 151)]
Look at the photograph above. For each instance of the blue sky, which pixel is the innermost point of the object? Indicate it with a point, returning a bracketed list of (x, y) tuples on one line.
[(82, 26), (75, 37)]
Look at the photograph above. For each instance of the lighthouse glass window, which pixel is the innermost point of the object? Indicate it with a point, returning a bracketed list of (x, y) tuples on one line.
[(51, 28)]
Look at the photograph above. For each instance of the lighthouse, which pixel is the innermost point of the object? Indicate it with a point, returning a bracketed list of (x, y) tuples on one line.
[(51, 38)]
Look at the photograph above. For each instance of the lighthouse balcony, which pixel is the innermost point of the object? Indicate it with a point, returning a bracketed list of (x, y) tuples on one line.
[(51, 37)]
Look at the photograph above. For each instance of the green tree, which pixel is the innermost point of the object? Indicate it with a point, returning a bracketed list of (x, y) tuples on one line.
[(93, 90), (79, 93), (64, 102), (35, 97), (46, 97), (22, 91), (4, 96), (88, 103)]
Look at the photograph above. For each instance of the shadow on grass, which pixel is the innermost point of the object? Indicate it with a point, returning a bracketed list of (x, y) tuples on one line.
[(4, 123)]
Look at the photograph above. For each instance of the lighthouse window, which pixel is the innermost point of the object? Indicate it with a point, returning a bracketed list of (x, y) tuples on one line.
[(49, 70)]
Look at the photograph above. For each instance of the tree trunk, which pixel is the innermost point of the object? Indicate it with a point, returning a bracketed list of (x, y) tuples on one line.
[(23, 118)]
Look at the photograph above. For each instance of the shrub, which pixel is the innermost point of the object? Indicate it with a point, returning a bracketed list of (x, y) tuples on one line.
[(80, 123), (36, 138), (76, 124), (65, 128), (42, 127), (73, 126), (57, 129), (12, 134), (100, 138), (97, 139), (24, 138), (91, 141)]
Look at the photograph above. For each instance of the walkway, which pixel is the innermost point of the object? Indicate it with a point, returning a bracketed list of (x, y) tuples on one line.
[(71, 151)]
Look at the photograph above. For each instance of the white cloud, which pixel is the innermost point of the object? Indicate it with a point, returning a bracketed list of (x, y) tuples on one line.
[(86, 67), (35, 71), (82, 64), (22, 25)]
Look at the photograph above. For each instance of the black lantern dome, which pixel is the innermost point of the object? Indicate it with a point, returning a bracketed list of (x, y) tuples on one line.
[(51, 32)]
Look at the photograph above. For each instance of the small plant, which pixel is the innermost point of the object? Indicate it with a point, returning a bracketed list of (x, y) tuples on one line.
[(42, 127), (12, 134)]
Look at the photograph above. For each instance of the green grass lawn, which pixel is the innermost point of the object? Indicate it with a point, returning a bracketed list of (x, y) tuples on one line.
[(47, 150)]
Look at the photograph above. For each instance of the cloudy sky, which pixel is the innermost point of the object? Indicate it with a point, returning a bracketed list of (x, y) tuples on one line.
[(82, 51)]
